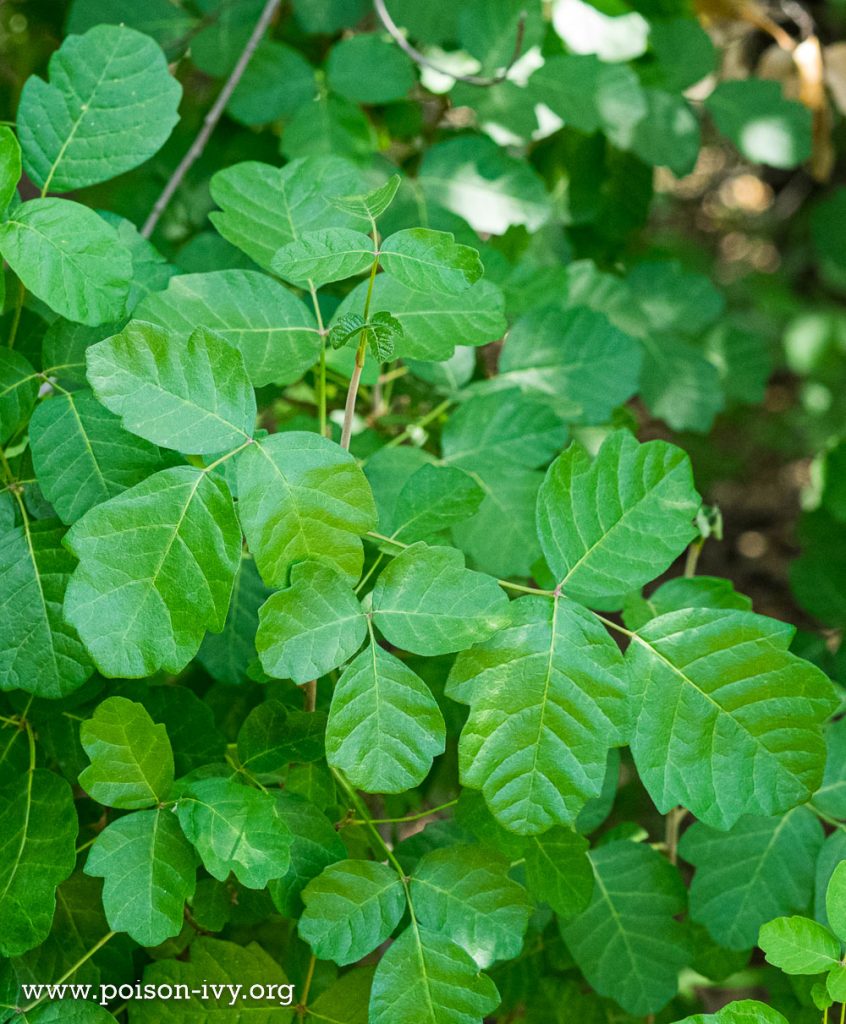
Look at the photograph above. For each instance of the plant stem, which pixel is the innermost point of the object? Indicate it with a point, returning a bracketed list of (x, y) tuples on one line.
[(228, 455), (360, 806), (433, 414), (16, 318), (72, 970), (310, 692), (302, 1007), (675, 816), (360, 356), (321, 373), (409, 817), (694, 550), (211, 118)]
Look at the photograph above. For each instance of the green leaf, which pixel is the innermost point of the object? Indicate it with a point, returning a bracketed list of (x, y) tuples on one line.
[(69, 258), (193, 398), (683, 592), (369, 69), (765, 127), (758, 870), (351, 908), (384, 725), (492, 190), (235, 829), (320, 257), (141, 554), (672, 299), (109, 104), (835, 901), (302, 497), (149, 870), (68, 1011), (576, 357), (426, 602), (548, 696), (433, 499), (251, 196), (39, 652), (729, 721), (383, 333), (464, 893), (315, 845), (744, 1011), (830, 798), (227, 656), (430, 261), (559, 872), (520, 430), (214, 962), (10, 166), (798, 946), (312, 627), (426, 979), (131, 757), (346, 1000), (158, 18), (668, 135), (276, 82), (38, 828), (272, 329), (680, 384), (273, 736), (627, 943), (18, 392), (330, 125), (608, 526), (434, 323), (369, 205), (82, 455)]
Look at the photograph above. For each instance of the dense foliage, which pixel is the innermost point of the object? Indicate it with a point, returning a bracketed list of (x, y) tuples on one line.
[(352, 630)]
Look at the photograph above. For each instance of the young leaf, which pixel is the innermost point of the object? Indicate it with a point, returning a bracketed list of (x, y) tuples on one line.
[(315, 845), (150, 870), (38, 828), (576, 357), (69, 258), (83, 456), (350, 909), (627, 943), (426, 602), (274, 331), (548, 696), (729, 721), (559, 872), (464, 893), (313, 626), (251, 196), (384, 725), (141, 554), (10, 166), (430, 261), (432, 500), (798, 946), (383, 333), (193, 398), (320, 257), (760, 869), (369, 205), (424, 978), (609, 526), (110, 103), (235, 828), (131, 757), (301, 497), (39, 652), (433, 323), (18, 392)]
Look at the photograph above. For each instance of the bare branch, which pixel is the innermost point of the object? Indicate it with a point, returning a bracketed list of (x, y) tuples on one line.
[(211, 119), (419, 58)]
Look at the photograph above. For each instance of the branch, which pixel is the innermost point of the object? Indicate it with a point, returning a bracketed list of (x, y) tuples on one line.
[(211, 119), (419, 58)]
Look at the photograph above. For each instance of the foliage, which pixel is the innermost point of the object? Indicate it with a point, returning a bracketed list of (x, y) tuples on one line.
[(351, 635)]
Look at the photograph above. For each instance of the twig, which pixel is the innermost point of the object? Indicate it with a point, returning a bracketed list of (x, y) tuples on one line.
[(211, 119), (419, 58)]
